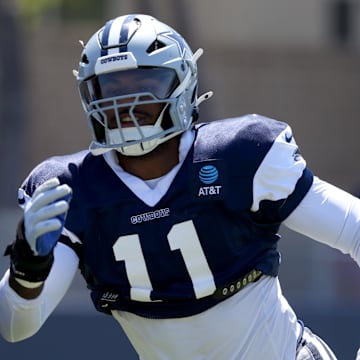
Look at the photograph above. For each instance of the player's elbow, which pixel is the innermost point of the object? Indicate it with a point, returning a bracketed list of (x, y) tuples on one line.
[(16, 331), (14, 337)]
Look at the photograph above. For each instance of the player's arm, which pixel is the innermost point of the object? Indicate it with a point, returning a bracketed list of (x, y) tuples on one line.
[(284, 190), (281, 181), (38, 231), (21, 318), (32, 252), (329, 215)]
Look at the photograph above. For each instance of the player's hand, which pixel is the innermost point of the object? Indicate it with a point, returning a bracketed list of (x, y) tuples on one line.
[(44, 215)]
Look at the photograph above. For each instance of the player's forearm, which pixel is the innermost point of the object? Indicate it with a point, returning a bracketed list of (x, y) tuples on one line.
[(21, 317), (331, 216)]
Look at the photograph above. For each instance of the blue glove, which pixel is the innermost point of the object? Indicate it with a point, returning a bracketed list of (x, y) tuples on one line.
[(44, 216)]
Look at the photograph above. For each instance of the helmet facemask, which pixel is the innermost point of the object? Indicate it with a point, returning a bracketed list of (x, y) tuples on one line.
[(131, 136), (132, 110)]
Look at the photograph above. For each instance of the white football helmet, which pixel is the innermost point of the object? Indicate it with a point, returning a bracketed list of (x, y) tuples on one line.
[(132, 69)]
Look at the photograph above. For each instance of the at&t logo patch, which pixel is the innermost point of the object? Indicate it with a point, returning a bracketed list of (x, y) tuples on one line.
[(208, 175)]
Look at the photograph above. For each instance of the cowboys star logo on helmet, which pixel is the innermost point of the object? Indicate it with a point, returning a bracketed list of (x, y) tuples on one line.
[(178, 40)]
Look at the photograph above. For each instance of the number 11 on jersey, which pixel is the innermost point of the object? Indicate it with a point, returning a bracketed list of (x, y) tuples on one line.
[(181, 237)]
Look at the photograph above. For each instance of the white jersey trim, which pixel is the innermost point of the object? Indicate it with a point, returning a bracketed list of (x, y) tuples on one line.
[(281, 168)]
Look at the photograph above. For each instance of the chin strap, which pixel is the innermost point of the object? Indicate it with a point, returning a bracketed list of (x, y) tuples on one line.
[(195, 58), (199, 100)]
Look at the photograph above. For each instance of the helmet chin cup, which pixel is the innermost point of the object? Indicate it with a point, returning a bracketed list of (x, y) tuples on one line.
[(130, 135), (138, 149)]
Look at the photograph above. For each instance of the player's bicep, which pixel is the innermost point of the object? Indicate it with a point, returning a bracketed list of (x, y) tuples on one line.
[(329, 215)]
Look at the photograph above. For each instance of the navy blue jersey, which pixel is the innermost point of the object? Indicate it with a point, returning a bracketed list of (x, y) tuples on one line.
[(168, 260)]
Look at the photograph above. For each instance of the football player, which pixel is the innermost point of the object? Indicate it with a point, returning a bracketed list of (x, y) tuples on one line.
[(174, 225)]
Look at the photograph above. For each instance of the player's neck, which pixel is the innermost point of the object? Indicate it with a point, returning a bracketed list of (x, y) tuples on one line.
[(155, 164)]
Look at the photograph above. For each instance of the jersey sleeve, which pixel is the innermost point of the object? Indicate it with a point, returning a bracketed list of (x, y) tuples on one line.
[(282, 179), (64, 167)]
